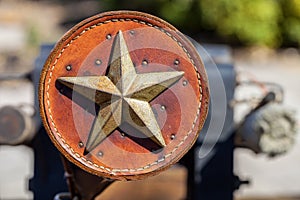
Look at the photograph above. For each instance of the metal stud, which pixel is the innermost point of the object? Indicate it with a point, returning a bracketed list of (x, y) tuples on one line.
[(173, 136), (184, 83), (144, 62), (108, 36), (98, 62), (68, 67), (163, 108), (80, 144), (100, 153), (122, 135), (131, 32), (176, 62)]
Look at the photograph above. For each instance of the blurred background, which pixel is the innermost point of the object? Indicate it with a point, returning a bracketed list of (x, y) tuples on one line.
[(264, 36)]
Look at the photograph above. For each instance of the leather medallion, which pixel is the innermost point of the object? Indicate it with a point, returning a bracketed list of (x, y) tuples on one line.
[(123, 95)]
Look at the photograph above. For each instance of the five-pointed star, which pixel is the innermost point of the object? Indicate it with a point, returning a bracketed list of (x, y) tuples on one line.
[(123, 96)]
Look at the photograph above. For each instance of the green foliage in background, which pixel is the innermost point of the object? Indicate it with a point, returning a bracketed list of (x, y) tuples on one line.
[(253, 22), (291, 23), (270, 23)]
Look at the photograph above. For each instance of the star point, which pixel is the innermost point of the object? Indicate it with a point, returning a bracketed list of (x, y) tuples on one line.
[(123, 96)]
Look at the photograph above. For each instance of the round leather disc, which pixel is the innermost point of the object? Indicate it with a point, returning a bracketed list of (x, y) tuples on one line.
[(123, 95)]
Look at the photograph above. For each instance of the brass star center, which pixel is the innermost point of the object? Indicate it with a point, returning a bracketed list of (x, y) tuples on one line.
[(123, 96)]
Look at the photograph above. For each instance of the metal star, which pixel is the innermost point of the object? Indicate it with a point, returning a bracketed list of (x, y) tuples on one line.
[(123, 96)]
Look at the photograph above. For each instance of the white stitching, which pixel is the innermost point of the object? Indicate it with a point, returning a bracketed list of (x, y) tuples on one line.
[(155, 162)]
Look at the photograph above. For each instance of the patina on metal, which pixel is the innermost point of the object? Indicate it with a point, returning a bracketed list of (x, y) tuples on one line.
[(123, 96)]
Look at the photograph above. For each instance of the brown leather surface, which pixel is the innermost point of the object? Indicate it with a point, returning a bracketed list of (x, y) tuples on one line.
[(68, 120)]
